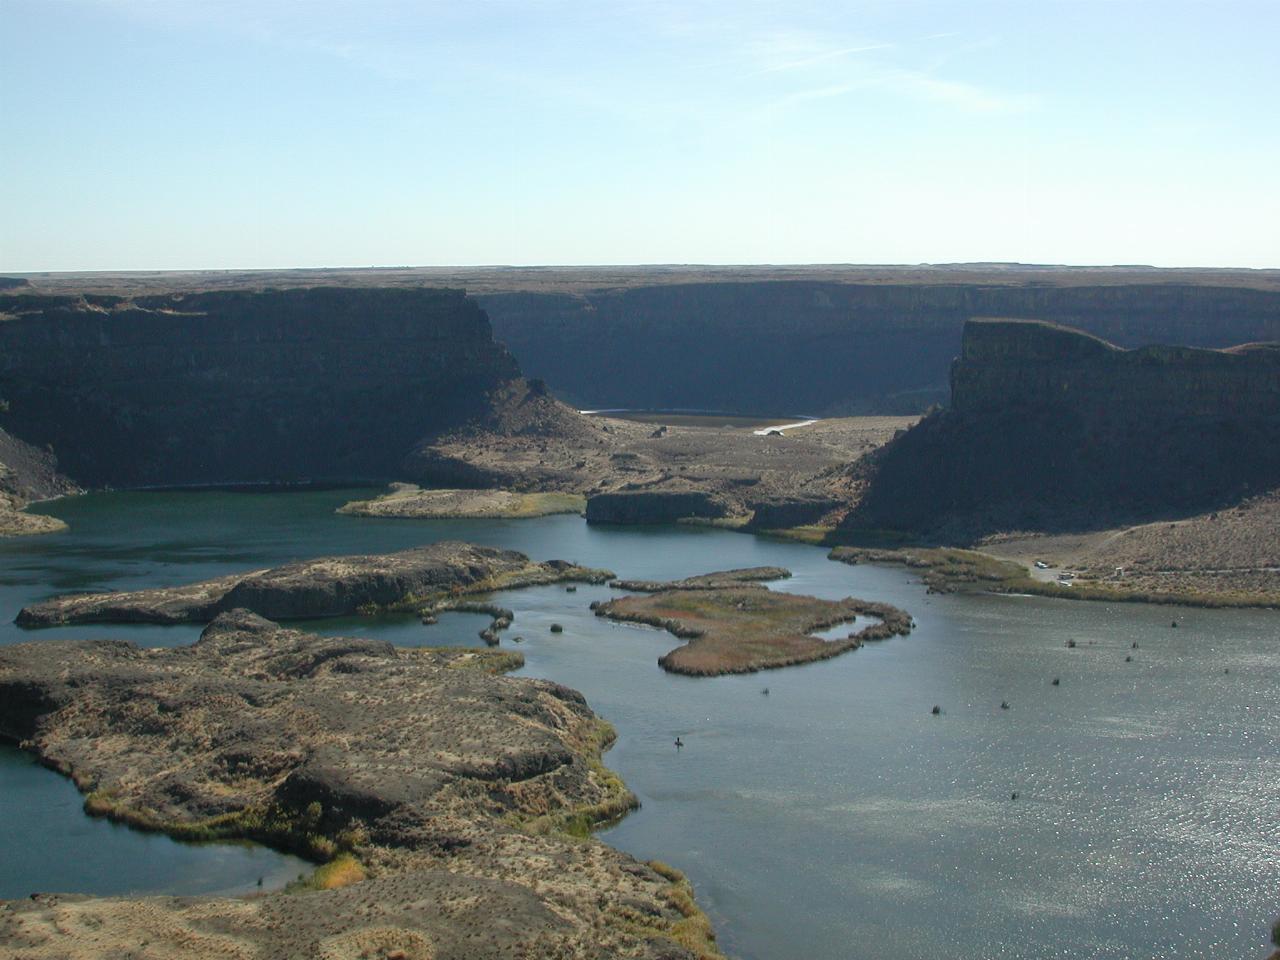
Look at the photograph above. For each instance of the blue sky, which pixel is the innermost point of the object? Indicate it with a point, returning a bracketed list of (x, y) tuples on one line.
[(161, 134)]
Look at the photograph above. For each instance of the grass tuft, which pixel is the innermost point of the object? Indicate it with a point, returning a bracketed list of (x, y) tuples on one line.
[(342, 871)]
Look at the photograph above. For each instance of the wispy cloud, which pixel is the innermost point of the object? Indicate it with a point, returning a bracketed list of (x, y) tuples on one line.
[(955, 93), (814, 59), (833, 69), (913, 85)]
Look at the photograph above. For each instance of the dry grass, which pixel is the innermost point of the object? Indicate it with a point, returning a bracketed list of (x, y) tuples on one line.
[(412, 502), (946, 570), (342, 871), (581, 820), (1229, 557), (15, 522), (943, 569), (748, 628)]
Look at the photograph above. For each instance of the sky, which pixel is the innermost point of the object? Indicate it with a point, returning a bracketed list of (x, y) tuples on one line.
[(176, 134)]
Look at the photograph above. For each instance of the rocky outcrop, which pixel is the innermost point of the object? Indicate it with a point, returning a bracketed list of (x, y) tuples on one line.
[(781, 513), (523, 439), (655, 506), (435, 785), (28, 474), (1051, 428), (705, 581), (832, 348), (244, 387), (326, 587)]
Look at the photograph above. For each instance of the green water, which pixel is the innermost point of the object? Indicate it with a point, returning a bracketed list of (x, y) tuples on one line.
[(836, 817)]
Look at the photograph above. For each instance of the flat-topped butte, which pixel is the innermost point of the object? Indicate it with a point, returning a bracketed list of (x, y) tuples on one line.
[(733, 624), (439, 794), (325, 587)]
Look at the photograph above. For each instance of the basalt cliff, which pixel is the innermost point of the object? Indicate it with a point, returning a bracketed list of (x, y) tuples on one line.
[(1051, 428), (831, 347), (825, 340), (276, 386)]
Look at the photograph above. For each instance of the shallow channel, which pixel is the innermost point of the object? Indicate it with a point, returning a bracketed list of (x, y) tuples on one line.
[(835, 817)]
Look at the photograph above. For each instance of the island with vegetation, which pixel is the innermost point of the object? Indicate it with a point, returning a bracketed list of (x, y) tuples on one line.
[(732, 623)]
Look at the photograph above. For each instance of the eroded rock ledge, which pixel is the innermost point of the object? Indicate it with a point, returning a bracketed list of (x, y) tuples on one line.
[(325, 587), (705, 581), (27, 474), (409, 501), (734, 624), (442, 790)]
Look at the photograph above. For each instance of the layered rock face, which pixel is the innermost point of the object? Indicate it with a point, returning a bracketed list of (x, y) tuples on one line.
[(1050, 428), (826, 348), (244, 387), (1018, 365)]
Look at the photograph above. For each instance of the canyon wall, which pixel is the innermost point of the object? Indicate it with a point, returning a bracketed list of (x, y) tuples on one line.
[(824, 348), (243, 387), (1052, 428), (1017, 365)]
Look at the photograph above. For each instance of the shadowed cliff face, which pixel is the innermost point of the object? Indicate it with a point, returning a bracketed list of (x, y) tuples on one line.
[(1050, 428), (274, 386), (1023, 367), (27, 474), (826, 348)]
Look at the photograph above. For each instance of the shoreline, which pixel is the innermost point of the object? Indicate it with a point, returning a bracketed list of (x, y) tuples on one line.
[(553, 805), (818, 561), (954, 570), (728, 622), (943, 573)]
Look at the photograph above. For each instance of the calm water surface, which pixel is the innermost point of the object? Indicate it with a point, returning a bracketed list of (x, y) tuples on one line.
[(834, 818)]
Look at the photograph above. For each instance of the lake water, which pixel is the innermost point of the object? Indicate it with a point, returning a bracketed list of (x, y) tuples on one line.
[(834, 818)]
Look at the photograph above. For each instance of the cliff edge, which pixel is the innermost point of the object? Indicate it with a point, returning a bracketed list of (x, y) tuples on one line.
[(1050, 428), (272, 386)]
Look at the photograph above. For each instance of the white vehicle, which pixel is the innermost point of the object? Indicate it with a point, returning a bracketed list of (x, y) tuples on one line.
[(1041, 565)]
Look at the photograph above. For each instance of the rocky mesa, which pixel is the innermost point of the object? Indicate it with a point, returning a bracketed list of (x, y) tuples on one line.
[(1050, 428), (269, 386)]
